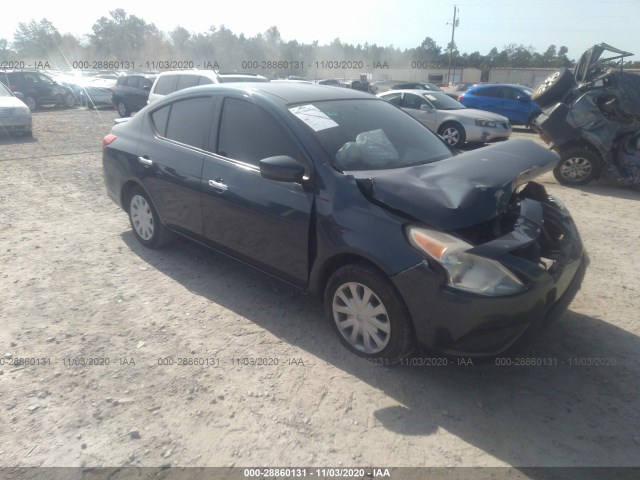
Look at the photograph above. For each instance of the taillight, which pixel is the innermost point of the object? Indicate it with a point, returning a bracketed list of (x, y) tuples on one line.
[(460, 97), (106, 141)]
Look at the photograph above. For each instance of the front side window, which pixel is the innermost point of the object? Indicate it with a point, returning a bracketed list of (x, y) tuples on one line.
[(248, 133), (413, 101), (370, 134)]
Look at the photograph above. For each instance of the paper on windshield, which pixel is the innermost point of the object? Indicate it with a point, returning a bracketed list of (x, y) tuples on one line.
[(313, 117)]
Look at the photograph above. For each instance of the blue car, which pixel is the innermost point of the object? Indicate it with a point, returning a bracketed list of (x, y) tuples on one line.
[(511, 101)]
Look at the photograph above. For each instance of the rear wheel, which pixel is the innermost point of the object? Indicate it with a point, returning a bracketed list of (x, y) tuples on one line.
[(145, 221), (69, 100), (123, 111), (453, 133), (31, 103), (368, 313), (552, 88), (577, 166)]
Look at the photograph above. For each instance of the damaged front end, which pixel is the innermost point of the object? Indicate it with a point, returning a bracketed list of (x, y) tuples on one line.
[(593, 121), (502, 257)]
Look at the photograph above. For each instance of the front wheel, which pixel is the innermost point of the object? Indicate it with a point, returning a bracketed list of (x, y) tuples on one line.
[(145, 221), (453, 134), (368, 314), (577, 166)]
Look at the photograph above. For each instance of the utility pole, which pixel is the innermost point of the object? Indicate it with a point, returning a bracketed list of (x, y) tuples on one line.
[(454, 24)]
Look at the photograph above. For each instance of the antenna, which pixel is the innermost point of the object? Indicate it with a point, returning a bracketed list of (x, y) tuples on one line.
[(454, 24)]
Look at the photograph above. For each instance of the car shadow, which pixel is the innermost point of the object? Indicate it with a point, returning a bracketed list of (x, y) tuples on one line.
[(570, 399), (7, 139)]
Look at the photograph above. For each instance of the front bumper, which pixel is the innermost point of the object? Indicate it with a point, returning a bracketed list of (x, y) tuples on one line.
[(487, 134), (460, 323), (15, 124)]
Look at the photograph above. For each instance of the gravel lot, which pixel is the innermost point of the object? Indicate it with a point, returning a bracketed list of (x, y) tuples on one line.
[(75, 283)]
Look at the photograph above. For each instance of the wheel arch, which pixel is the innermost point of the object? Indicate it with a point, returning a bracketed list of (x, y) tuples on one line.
[(319, 279)]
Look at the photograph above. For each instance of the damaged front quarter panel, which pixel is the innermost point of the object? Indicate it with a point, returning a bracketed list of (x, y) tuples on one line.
[(465, 190)]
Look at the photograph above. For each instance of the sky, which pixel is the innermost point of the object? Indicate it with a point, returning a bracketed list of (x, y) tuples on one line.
[(484, 24)]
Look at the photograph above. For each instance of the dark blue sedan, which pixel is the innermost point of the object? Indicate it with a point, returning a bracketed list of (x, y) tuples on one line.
[(343, 194)]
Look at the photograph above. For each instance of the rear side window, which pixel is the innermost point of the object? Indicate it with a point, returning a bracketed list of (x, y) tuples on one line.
[(159, 118), (492, 92), (166, 84), (186, 81), (188, 121), (248, 133), (205, 81)]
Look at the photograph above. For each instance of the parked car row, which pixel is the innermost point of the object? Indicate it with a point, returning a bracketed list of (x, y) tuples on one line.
[(343, 194)]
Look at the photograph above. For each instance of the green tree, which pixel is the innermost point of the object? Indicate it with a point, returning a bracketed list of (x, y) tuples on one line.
[(36, 40)]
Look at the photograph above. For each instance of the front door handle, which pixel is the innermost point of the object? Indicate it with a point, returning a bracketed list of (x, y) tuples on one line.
[(218, 185), (145, 161)]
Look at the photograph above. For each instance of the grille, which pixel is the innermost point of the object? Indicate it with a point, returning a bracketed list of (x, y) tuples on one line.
[(6, 112)]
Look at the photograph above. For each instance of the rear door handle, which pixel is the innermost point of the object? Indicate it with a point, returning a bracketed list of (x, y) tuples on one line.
[(218, 185), (145, 161)]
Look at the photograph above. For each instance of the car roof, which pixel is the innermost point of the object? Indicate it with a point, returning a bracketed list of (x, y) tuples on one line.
[(417, 91), (287, 92)]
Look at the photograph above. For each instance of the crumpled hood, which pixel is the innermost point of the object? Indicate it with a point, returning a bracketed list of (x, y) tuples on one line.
[(460, 191)]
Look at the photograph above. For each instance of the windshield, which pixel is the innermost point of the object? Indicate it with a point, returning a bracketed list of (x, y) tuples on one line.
[(370, 134), (442, 101), (4, 91)]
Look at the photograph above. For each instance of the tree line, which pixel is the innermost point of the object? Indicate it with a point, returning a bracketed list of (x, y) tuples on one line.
[(124, 37)]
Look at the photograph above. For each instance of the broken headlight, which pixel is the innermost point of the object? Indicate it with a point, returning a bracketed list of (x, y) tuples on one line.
[(465, 271)]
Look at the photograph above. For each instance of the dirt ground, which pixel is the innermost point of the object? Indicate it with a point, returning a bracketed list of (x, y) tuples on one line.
[(271, 384)]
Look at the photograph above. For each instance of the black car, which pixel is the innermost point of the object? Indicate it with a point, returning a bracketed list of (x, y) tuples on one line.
[(340, 193), (38, 89), (131, 93), (591, 117)]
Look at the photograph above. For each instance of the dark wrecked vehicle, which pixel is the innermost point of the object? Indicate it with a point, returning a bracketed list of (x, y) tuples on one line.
[(592, 119), (341, 193)]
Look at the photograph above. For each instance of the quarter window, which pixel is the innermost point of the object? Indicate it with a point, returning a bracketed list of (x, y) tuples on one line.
[(188, 121)]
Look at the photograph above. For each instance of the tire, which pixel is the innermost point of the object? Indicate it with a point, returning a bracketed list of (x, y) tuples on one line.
[(123, 111), (577, 166), (453, 133), (31, 103), (386, 334), (69, 100), (145, 223), (552, 88), (530, 120)]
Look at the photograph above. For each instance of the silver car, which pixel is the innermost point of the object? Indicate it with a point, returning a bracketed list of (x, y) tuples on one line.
[(15, 116), (447, 117)]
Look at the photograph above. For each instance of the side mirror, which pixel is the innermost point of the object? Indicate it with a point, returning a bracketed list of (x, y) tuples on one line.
[(426, 108), (282, 168), (20, 95)]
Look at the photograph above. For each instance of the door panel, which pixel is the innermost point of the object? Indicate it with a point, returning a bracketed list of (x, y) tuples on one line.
[(261, 221)]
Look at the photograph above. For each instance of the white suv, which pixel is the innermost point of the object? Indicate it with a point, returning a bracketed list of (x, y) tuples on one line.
[(169, 82)]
